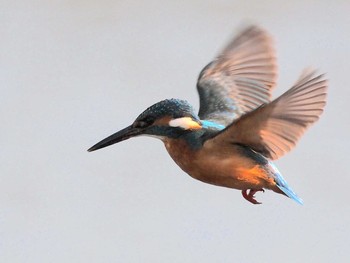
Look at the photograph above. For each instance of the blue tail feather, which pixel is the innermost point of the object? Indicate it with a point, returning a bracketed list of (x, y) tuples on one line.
[(283, 186), (289, 192)]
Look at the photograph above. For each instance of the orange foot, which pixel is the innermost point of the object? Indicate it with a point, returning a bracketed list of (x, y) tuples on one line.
[(250, 196)]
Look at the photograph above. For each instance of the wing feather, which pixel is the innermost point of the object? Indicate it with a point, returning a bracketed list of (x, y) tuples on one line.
[(274, 129), (240, 79)]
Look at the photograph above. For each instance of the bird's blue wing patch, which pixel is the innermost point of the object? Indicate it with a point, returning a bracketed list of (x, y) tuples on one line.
[(212, 125)]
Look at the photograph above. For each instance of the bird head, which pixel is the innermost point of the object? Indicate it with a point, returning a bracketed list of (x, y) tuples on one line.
[(166, 119)]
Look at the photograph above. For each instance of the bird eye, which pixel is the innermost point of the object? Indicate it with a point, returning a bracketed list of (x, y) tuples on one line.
[(140, 124), (143, 123)]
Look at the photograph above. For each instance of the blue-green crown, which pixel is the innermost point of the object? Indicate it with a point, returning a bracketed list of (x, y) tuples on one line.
[(174, 108)]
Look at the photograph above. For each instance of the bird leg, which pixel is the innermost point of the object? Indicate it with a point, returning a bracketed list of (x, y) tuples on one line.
[(250, 196)]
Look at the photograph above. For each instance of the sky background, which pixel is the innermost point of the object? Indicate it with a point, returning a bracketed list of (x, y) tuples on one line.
[(74, 72)]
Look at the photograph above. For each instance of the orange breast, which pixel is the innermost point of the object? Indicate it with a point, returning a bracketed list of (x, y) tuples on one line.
[(181, 153), (226, 167)]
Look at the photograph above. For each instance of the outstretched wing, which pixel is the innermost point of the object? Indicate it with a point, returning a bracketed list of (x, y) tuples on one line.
[(273, 129), (232, 84)]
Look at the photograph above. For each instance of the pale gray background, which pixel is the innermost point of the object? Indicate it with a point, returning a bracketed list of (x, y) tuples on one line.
[(73, 72)]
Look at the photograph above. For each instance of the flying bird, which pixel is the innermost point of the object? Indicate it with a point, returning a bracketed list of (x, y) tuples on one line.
[(238, 130)]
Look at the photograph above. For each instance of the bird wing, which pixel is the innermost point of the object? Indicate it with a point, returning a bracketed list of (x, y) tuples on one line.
[(274, 128), (230, 85)]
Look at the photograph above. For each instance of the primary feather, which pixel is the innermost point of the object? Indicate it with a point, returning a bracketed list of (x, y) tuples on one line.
[(240, 79), (274, 128)]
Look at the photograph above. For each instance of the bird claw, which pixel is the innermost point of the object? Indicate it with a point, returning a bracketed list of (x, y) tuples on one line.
[(250, 196)]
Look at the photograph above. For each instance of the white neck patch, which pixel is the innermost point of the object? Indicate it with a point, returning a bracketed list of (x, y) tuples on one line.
[(185, 123)]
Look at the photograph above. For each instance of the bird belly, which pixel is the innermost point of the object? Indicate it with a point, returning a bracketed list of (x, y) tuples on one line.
[(235, 172), (222, 169)]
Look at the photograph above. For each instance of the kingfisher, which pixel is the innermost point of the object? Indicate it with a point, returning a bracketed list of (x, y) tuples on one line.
[(239, 130)]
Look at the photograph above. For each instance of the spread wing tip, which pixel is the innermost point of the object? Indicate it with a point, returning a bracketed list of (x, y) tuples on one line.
[(294, 112), (241, 77)]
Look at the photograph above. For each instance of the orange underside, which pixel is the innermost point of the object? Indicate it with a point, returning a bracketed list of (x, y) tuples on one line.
[(257, 176), (216, 168)]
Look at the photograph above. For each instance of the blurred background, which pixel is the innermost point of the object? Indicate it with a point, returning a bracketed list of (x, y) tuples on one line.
[(73, 72)]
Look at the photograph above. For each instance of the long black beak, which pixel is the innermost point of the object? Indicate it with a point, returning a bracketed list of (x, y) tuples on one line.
[(119, 136)]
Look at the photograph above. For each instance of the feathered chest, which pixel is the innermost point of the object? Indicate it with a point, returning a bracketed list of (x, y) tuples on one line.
[(181, 153), (225, 166)]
